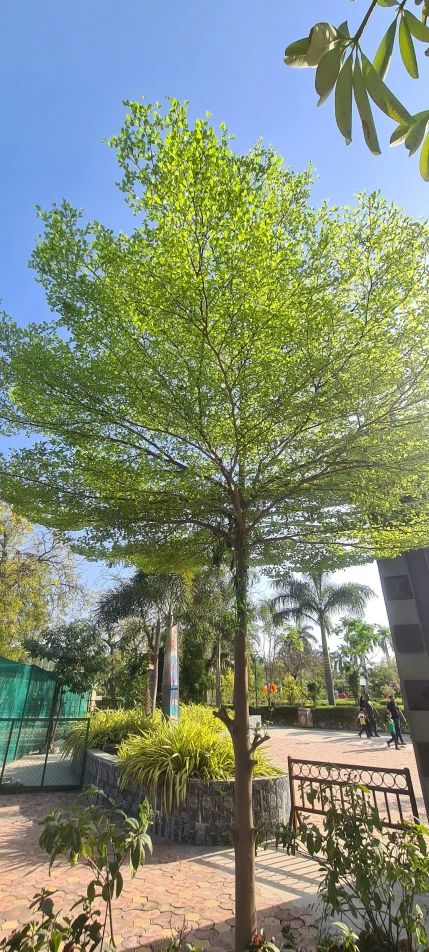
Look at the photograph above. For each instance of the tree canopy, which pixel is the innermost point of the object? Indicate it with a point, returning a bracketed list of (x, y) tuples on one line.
[(77, 652), (342, 65), (240, 353)]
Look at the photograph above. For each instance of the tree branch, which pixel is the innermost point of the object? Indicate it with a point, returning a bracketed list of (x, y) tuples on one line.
[(258, 740), (222, 715)]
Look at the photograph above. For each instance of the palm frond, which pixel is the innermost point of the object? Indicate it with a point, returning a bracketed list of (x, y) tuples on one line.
[(294, 600), (349, 596)]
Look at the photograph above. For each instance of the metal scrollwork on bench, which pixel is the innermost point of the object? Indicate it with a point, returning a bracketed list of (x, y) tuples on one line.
[(316, 787)]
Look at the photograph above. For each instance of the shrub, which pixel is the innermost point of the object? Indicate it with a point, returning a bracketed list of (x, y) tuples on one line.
[(107, 727), (341, 717), (171, 755), (372, 876)]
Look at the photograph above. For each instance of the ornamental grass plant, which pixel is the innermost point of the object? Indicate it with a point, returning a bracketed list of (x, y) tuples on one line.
[(108, 727), (171, 755)]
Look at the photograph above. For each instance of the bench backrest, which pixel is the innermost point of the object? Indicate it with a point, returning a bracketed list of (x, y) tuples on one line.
[(316, 786)]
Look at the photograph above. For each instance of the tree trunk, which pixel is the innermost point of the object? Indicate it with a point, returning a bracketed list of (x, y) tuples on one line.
[(218, 672), (153, 670), (111, 688), (244, 832), (327, 664)]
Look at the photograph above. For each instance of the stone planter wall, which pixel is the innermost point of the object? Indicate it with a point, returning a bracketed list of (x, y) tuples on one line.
[(206, 816)]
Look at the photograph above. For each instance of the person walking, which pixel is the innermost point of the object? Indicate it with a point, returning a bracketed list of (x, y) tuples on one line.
[(363, 723), (396, 715), (391, 730), (370, 713)]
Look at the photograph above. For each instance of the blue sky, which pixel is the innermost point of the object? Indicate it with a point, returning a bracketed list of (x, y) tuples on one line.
[(66, 68)]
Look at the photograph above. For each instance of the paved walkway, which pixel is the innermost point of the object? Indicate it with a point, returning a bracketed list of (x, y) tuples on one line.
[(182, 886)]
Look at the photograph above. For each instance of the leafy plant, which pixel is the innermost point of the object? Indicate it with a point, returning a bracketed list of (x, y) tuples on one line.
[(372, 874), (260, 941), (342, 65), (52, 932), (107, 727), (171, 755), (105, 837)]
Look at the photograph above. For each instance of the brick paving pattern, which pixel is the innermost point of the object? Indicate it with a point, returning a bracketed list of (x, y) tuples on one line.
[(183, 887)]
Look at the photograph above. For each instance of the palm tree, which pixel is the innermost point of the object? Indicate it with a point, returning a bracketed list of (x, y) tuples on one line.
[(156, 600), (316, 599)]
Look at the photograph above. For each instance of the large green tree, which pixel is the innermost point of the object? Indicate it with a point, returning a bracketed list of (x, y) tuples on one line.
[(317, 599), (342, 65), (242, 372)]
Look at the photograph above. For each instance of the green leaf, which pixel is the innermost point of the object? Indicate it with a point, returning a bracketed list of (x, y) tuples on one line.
[(90, 891), (55, 941), (119, 883), (416, 27), (384, 53), (382, 95), (295, 53), (365, 111), (387, 3), (327, 72), (377, 901), (424, 160), (343, 99), (343, 30), (415, 136), (400, 133), (322, 35), (406, 47)]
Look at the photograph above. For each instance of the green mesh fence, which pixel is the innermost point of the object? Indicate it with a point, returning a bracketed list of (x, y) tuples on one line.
[(26, 691), (33, 756)]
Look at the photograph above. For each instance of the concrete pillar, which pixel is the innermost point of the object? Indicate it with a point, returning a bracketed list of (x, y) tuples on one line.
[(405, 583)]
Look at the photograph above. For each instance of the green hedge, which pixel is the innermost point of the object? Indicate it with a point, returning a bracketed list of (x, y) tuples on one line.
[(324, 718)]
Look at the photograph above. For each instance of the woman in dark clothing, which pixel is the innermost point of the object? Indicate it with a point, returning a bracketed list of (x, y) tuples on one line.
[(370, 713)]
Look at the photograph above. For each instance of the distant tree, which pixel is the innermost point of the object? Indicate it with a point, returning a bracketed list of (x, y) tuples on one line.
[(156, 600), (384, 675), (384, 636), (78, 655), (318, 600), (207, 632), (358, 640), (39, 580), (341, 64)]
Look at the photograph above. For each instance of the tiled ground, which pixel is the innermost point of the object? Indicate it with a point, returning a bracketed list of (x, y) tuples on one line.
[(182, 885)]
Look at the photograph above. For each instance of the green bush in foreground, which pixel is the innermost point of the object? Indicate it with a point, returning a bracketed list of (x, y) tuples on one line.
[(171, 755), (373, 876)]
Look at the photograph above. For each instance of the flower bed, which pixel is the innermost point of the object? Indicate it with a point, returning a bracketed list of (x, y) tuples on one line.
[(205, 817)]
